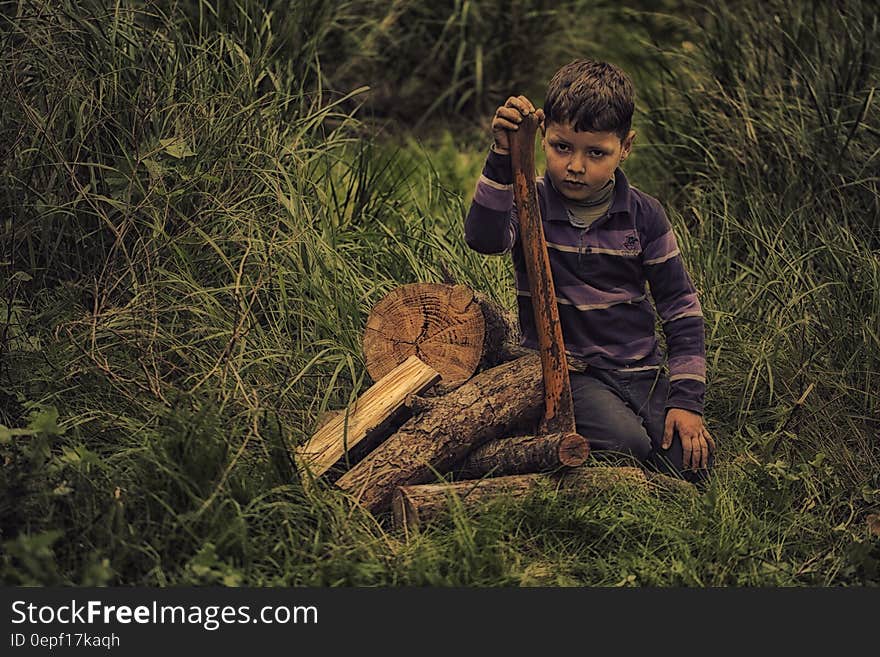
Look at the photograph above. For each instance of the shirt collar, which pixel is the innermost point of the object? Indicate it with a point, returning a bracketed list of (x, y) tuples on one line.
[(620, 203)]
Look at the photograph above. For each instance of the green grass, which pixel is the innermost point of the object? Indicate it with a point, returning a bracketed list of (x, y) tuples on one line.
[(200, 206)]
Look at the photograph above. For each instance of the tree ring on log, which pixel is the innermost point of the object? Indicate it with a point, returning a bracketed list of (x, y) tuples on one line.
[(573, 450), (441, 324)]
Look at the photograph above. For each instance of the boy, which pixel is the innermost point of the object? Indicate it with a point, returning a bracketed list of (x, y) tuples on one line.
[(606, 241)]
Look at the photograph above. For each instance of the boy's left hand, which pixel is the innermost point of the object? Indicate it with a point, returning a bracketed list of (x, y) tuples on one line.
[(696, 442)]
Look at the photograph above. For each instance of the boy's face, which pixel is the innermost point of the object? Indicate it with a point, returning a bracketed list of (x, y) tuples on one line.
[(580, 163)]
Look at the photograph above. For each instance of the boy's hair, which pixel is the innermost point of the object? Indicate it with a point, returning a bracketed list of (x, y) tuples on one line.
[(592, 96)]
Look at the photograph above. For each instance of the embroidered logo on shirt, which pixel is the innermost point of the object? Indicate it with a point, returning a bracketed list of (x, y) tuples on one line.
[(631, 243)]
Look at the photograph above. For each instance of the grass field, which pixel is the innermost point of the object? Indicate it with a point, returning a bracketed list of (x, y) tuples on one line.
[(201, 202)]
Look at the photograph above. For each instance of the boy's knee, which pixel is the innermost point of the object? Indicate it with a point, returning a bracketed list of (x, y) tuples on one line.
[(639, 445), (628, 440)]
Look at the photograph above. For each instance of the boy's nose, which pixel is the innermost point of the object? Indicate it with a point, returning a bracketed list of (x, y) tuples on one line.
[(576, 165)]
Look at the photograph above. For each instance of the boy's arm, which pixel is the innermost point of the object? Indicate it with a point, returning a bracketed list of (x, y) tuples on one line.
[(491, 225), (679, 308)]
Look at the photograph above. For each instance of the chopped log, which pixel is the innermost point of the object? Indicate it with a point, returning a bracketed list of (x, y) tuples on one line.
[(486, 407), (369, 420), (441, 324), (524, 454), (665, 484), (412, 506)]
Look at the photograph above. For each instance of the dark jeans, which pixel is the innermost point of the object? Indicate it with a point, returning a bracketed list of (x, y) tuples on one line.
[(624, 412)]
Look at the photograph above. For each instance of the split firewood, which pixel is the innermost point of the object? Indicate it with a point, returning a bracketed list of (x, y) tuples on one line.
[(489, 405), (370, 419), (414, 505), (524, 454), (326, 417)]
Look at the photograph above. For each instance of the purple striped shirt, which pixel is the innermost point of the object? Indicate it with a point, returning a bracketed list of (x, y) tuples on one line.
[(605, 277)]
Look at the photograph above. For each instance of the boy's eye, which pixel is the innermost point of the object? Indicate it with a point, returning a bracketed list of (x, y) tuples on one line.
[(597, 153), (562, 148)]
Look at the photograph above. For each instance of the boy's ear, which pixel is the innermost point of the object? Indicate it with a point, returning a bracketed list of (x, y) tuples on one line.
[(627, 144)]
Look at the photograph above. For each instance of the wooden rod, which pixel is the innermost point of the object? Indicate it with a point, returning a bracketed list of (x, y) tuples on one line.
[(558, 407)]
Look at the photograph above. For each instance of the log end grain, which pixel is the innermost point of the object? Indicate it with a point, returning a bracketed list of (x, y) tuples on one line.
[(573, 450), (441, 324)]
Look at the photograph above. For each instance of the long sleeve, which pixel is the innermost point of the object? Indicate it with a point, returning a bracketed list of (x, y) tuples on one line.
[(679, 308), (491, 226)]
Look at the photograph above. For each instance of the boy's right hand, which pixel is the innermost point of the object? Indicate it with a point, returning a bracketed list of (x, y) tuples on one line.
[(508, 117)]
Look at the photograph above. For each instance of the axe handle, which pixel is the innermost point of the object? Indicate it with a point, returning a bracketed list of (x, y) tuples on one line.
[(558, 406)]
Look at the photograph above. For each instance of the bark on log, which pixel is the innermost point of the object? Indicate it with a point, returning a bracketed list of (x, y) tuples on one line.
[(665, 484), (368, 421), (413, 506), (490, 405), (502, 337), (524, 454), (441, 324)]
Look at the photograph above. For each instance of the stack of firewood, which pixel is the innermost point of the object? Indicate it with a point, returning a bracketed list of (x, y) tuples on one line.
[(455, 400)]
